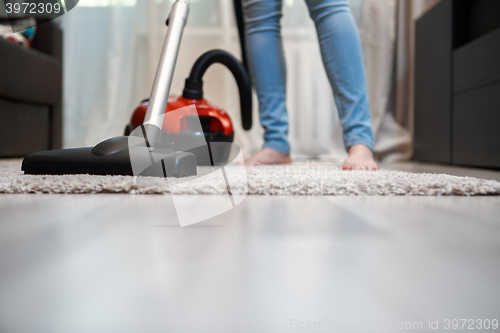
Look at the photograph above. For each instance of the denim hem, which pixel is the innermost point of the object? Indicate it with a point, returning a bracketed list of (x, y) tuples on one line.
[(285, 149)]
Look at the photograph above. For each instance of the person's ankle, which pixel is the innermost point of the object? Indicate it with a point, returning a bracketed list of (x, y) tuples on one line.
[(360, 147)]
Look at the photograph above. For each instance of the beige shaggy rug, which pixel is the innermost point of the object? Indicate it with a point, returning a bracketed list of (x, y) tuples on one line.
[(296, 179)]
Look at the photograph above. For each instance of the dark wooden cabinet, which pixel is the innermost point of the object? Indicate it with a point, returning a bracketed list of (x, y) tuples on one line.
[(457, 84), (433, 75)]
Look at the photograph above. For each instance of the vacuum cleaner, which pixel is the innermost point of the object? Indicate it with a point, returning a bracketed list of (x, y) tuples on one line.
[(168, 136), (215, 122)]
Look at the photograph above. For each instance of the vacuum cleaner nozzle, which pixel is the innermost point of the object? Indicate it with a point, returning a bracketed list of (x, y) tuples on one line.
[(123, 155)]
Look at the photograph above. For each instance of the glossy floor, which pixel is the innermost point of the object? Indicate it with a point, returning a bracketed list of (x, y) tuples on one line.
[(121, 263)]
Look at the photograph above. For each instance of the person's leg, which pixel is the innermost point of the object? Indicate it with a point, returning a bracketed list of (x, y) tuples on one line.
[(343, 60), (268, 73)]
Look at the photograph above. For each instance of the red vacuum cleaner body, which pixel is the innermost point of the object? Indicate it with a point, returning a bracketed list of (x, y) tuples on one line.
[(183, 125), (215, 122)]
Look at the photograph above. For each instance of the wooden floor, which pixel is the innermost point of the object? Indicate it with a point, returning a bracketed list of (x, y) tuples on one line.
[(122, 263)]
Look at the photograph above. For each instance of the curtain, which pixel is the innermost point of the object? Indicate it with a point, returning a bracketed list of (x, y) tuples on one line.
[(112, 50), (407, 12), (108, 57)]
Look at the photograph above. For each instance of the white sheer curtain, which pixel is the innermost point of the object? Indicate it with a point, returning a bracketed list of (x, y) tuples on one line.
[(111, 53), (108, 51)]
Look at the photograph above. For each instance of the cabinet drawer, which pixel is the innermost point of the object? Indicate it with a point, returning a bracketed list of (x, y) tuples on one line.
[(476, 127), (477, 64)]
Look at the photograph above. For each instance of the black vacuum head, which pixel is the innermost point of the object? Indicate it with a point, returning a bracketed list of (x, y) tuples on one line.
[(113, 157)]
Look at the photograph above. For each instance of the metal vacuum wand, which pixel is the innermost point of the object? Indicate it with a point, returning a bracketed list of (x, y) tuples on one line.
[(163, 80)]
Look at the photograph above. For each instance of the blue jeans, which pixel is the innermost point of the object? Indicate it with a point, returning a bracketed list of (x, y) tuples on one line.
[(342, 57)]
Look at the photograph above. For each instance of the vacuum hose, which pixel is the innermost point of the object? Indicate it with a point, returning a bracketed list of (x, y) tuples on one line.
[(193, 88)]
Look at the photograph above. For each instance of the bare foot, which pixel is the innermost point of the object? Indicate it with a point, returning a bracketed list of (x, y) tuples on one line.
[(360, 158), (268, 156)]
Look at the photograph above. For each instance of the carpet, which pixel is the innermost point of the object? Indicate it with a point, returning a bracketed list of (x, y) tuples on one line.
[(296, 179)]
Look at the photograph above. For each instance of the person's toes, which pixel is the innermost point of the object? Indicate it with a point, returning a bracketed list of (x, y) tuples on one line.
[(360, 165), (347, 167), (349, 164)]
